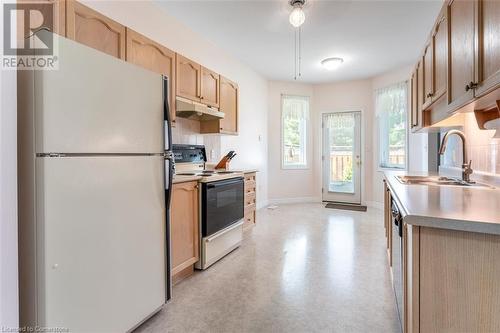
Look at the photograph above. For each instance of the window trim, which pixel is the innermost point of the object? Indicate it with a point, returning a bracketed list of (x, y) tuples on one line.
[(380, 167), (305, 166)]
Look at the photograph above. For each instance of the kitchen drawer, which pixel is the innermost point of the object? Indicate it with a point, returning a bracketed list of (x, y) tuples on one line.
[(250, 177), (249, 209), (250, 218), (250, 186), (249, 221), (249, 198)]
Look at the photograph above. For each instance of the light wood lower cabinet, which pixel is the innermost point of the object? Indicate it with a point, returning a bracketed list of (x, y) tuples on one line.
[(93, 29), (184, 229), (250, 200), (153, 56), (451, 280)]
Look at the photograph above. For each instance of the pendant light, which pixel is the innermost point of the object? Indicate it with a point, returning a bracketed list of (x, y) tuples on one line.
[(296, 19)]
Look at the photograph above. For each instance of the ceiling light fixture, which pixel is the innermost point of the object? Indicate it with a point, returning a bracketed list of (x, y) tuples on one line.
[(332, 63), (297, 18)]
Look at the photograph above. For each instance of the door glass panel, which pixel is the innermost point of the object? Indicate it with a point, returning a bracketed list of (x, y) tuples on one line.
[(341, 134)]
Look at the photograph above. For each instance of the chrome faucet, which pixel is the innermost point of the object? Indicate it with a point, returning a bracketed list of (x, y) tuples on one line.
[(466, 163)]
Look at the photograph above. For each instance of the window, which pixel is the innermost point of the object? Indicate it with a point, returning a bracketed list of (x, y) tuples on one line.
[(391, 105), (294, 119)]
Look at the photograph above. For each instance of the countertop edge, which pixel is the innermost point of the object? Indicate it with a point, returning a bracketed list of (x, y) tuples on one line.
[(185, 179), (484, 227)]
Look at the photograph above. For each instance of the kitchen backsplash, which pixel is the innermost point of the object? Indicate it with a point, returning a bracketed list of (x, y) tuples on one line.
[(484, 151), (188, 132)]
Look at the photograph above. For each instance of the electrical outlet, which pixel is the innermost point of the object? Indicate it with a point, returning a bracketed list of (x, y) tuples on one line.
[(212, 155)]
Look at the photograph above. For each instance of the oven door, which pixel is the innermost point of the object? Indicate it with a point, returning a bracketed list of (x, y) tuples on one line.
[(222, 204)]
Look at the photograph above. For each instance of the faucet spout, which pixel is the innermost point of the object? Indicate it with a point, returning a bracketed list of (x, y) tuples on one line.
[(466, 164)]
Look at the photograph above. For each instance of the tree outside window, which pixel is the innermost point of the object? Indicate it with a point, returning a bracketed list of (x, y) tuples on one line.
[(294, 119), (391, 108)]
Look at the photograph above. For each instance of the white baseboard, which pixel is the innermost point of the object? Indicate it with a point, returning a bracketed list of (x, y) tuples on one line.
[(282, 201), (375, 204)]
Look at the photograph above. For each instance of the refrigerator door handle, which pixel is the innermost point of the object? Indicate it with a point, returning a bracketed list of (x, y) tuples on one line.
[(168, 174), (167, 117)]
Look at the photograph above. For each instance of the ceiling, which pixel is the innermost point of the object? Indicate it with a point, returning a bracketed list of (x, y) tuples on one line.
[(372, 36)]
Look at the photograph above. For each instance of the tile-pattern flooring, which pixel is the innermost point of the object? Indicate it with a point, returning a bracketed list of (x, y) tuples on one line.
[(303, 268)]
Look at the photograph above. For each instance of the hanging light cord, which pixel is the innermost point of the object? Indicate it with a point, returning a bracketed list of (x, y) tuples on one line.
[(297, 53)]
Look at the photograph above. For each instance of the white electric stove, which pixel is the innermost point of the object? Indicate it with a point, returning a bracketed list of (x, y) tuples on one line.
[(221, 204)]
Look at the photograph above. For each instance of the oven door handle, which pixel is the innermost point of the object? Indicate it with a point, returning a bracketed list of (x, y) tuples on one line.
[(225, 182), (223, 231)]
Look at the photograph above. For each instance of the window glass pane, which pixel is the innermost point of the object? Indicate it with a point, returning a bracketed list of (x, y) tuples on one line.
[(295, 115), (391, 109)]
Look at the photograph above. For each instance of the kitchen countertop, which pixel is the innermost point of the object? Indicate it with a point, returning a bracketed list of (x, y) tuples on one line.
[(447, 207), (183, 179)]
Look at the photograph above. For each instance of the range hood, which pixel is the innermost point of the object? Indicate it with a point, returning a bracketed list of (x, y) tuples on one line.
[(186, 108)]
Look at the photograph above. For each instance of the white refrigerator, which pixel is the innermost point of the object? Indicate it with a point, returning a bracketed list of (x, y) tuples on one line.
[(94, 185)]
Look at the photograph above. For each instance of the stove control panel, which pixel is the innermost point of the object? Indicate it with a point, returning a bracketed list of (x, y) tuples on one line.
[(189, 153)]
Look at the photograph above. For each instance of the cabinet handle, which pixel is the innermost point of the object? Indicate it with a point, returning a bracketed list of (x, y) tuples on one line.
[(471, 85), (201, 97), (430, 95)]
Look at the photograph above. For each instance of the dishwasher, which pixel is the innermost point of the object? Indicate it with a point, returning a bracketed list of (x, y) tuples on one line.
[(397, 259)]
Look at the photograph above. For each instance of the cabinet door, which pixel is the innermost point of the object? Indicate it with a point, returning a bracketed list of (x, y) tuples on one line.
[(461, 62), (209, 87), (150, 55), (55, 20), (188, 78), (428, 91), (93, 29), (420, 93), (440, 52), (489, 46), (184, 226), (414, 103), (229, 105)]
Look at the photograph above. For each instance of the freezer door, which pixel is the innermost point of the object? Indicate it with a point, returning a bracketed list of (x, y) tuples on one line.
[(101, 241), (95, 103)]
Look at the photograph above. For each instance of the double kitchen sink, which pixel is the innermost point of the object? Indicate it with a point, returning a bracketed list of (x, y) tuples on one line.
[(438, 181)]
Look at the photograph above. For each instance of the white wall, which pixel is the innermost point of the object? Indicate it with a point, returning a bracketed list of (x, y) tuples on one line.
[(152, 21), (8, 200), (289, 185), (347, 96), (293, 185)]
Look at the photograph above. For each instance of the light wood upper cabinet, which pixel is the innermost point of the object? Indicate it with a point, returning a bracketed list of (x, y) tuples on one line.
[(188, 76), (488, 19), (440, 53), (427, 61), (229, 105), (184, 228), (209, 87), (414, 103), (420, 93), (229, 95), (461, 16), (150, 55), (93, 29), (54, 17)]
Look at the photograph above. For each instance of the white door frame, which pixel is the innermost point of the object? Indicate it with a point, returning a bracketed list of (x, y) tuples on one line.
[(362, 149)]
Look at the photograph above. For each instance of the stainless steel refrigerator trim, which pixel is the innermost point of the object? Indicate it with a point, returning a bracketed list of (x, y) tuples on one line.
[(167, 144)]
